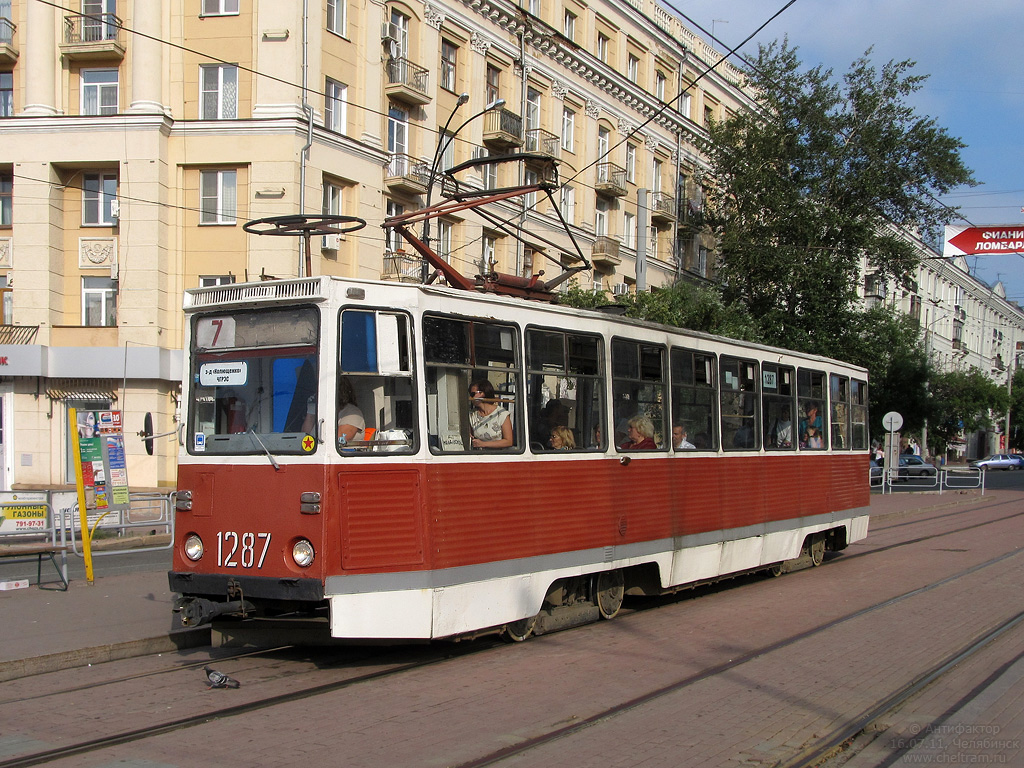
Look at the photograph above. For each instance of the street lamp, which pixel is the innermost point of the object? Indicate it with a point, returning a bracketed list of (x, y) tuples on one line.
[(444, 140)]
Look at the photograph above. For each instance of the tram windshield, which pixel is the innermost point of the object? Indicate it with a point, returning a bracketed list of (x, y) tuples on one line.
[(254, 382)]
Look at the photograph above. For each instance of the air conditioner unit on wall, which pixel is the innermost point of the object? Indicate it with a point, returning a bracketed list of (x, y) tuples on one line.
[(598, 286), (389, 32), (620, 289), (331, 242)]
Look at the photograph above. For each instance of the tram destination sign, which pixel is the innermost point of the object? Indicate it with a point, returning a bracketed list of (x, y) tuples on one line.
[(996, 239)]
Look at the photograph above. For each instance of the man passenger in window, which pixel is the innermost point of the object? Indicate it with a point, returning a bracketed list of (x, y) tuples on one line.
[(679, 441), (640, 435), (489, 422)]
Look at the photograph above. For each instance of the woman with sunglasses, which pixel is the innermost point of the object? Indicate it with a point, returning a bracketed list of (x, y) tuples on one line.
[(489, 422)]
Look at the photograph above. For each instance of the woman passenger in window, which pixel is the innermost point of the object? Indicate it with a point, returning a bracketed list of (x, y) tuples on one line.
[(640, 434), (812, 419), (489, 423), (562, 439)]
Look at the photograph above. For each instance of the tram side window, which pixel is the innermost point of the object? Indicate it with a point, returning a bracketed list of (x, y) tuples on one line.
[(564, 391), (374, 390), (462, 355), (694, 399), (738, 380), (779, 405), (839, 401), (813, 432), (638, 389), (859, 415)]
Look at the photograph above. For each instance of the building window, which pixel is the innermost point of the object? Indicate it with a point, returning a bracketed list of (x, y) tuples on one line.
[(219, 97), (568, 129), (6, 301), (569, 25), (493, 90), (601, 217), (685, 105), (6, 94), (532, 109), (448, 153), (444, 240), (335, 106), (631, 163), (336, 16), (602, 47), (220, 7), (490, 171), (97, 20), (218, 197), (567, 203), (99, 302), (211, 281), (6, 199), (659, 85), (487, 256), (333, 199), (398, 131), (530, 178), (652, 242), (99, 92), (449, 62), (629, 229), (394, 240), (656, 173), (633, 68), (400, 22), (99, 190)]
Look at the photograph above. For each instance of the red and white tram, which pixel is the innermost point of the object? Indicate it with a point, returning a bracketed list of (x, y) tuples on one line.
[(408, 531)]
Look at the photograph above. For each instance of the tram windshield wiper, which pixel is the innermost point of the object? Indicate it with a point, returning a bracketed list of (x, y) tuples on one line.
[(256, 438)]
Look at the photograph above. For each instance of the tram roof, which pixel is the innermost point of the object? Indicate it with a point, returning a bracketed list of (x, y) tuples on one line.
[(260, 293)]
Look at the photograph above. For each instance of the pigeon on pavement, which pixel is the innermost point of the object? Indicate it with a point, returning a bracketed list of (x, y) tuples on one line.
[(219, 679)]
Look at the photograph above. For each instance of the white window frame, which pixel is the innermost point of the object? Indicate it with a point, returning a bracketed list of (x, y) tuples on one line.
[(226, 76), (335, 106), (567, 203), (685, 104), (631, 163), (530, 177), (444, 240), (401, 22), (212, 281), (337, 17), (632, 68), (629, 229), (492, 84), (398, 130), (6, 200), (98, 200), (660, 82), (219, 8), (94, 91), (224, 208), (602, 46), (105, 289), (601, 209), (489, 171), (652, 242), (657, 167), (568, 129), (394, 240), (487, 254), (449, 66), (569, 25)]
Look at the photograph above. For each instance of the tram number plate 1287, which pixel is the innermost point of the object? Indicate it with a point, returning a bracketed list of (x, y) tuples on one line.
[(241, 550)]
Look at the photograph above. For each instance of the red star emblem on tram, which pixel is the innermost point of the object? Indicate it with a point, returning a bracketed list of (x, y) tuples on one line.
[(308, 443)]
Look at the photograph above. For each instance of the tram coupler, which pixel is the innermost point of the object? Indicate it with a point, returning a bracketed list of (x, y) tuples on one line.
[(196, 611)]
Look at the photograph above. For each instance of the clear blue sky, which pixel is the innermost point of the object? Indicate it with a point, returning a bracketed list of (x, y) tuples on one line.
[(973, 53)]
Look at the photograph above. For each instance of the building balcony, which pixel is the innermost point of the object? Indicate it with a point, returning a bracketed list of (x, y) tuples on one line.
[(402, 267), (18, 334), (662, 208), (543, 142), (605, 252), (611, 180), (503, 129), (406, 174), (407, 82), (95, 36), (8, 51)]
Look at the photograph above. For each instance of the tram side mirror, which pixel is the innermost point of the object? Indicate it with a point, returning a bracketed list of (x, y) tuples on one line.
[(147, 432)]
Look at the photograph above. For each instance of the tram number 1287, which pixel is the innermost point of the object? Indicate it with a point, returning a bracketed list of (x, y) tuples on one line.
[(239, 549)]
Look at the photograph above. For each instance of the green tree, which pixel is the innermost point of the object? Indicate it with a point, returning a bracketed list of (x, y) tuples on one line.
[(1016, 441), (816, 178), (964, 401)]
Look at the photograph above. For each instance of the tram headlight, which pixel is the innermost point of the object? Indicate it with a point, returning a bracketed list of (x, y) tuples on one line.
[(302, 553), (193, 547)]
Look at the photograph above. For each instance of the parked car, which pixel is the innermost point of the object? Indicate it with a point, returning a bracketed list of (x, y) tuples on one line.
[(915, 466), (1018, 460), (997, 461)]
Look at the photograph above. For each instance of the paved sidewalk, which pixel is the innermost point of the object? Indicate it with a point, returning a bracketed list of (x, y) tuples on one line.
[(130, 613)]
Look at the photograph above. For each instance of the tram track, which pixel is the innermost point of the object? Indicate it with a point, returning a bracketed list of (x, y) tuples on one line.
[(452, 653)]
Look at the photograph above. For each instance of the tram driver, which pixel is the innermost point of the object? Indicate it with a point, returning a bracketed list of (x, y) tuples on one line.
[(351, 425)]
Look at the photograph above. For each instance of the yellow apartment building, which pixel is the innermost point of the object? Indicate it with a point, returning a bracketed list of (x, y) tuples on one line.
[(139, 136)]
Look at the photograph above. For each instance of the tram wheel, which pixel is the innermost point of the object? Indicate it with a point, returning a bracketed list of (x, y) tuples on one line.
[(518, 631), (609, 590), (777, 570), (817, 550)]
